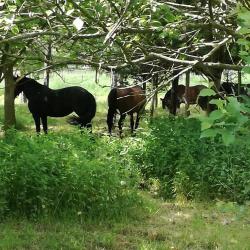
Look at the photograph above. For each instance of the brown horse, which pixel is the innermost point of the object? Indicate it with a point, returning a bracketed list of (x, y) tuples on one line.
[(128, 100), (182, 97)]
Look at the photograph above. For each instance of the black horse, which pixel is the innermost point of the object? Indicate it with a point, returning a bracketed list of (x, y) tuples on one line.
[(128, 100), (43, 102)]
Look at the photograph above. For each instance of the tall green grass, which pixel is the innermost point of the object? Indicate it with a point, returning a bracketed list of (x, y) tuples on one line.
[(192, 167), (72, 173)]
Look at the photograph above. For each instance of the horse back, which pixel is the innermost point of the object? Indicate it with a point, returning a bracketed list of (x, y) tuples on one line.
[(193, 93), (127, 100)]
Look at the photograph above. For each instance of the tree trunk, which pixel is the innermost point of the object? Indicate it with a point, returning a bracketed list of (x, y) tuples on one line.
[(174, 93), (114, 79), (156, 82), (48, 59), (239, 82), (154, 101), (187, 93), (9, 105)]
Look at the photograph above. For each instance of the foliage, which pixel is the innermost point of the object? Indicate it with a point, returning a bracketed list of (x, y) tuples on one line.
[(228, 121), (232, 114), (62, 173), (194, 167), (243, 42)]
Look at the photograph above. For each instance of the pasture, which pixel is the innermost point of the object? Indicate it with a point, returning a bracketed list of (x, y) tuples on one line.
[(166, 188)]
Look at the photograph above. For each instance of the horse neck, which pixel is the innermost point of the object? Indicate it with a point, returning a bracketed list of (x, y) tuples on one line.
[(31, 88)]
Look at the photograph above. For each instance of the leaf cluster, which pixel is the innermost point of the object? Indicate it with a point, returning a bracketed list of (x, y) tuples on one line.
[(192, 167)]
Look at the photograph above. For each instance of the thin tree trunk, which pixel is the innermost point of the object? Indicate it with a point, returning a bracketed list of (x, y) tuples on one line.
[(174, 93), (114, 79), (156, 82), (187, 93), (48, 59), (9, 105), (211, 14), (152, 109), (154, 98), (239, 82)]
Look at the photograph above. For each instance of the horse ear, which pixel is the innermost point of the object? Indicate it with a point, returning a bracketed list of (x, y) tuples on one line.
[(18, 78)]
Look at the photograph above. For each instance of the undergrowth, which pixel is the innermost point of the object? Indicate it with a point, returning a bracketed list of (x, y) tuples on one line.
[(191, 167), (71, 172)]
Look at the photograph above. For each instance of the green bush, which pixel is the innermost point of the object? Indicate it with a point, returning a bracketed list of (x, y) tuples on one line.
[(55, 174), (195, 167)]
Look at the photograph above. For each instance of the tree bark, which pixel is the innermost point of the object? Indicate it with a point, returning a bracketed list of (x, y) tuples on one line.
[(9, 105), (154, 101), (187, 93), (175, 83), (239, 82), (48, 59)]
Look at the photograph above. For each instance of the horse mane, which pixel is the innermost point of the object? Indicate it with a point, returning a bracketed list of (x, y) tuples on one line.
[(30, 82)]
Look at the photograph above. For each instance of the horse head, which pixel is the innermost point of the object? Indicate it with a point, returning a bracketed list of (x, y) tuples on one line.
[(166, 101), (20, 84)]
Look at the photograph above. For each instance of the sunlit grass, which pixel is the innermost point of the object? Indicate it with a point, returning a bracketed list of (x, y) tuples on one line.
[(167, 226)]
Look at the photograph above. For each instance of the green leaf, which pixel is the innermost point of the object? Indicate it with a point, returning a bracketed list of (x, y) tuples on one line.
[(244, 53), (207, 92), (209, 133), (206, 124), (246, 69), (227, 137), (15, 29), (216, 114), (242, 41), (233, 106), (218, 102)]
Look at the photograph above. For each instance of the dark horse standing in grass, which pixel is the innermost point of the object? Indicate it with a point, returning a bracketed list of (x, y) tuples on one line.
[(128, 100), (44, 102)]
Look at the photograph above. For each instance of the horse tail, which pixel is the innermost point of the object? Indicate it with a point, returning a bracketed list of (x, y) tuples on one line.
[(84, 118), (74, 120), (112, 98), (84, 121)]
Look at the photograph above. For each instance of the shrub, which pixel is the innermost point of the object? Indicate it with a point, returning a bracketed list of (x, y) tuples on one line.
[(55, 174), (195, 167)]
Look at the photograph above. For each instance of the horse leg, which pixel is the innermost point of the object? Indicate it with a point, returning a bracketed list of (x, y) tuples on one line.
[(110, 117), (37, 121), (132, 123), (45, 124), (120, 123), (137, 120), (86, 124)]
